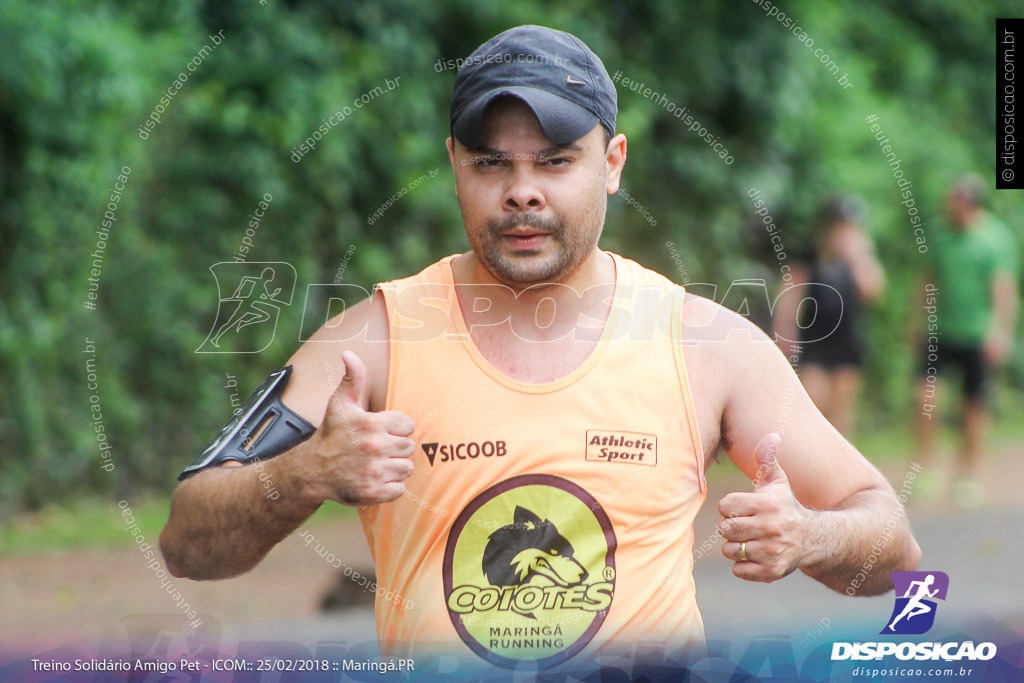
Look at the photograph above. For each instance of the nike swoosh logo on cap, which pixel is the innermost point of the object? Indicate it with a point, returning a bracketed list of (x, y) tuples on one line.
[(573, 81)]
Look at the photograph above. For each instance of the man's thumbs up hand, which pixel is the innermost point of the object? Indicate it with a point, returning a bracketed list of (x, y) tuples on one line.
[(764, 529), (358, 457), (769, 471)]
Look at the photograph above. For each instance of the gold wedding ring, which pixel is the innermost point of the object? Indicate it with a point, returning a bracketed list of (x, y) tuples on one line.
[(743, 552)]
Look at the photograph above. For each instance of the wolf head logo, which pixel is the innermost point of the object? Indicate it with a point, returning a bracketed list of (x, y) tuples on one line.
[(529, 571), (530, 550)]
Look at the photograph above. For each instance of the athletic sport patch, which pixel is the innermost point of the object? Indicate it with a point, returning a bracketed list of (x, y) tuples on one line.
[(617, 446), (529, 571)]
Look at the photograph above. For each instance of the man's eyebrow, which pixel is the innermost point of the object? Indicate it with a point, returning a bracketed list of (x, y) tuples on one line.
[(559, 149), (542, 154), (484, 149)]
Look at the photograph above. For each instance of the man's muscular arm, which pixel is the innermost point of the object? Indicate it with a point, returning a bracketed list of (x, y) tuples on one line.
[(221, 522), (817, 505), (999, 338)]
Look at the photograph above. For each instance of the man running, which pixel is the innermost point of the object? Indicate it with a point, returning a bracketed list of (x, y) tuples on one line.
[(524, 427)]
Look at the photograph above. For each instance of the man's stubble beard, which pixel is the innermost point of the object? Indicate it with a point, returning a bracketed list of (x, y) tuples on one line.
[(572, 247)]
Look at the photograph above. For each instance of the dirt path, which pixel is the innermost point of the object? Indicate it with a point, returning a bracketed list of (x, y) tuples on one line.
[(79, 597)]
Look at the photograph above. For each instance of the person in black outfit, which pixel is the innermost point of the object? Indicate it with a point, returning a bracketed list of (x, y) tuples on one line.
[(843, 274)]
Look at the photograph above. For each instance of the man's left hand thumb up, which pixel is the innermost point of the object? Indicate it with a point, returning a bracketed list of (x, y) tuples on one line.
[(764, 529)]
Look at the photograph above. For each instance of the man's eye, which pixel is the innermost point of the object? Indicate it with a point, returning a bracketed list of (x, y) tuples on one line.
[(558, 162), (488, 161)]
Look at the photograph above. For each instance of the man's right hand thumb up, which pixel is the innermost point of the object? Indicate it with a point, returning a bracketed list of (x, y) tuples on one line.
[(359, 457)]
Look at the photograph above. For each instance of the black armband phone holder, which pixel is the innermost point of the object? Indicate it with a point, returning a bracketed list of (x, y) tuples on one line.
[(262, 428)]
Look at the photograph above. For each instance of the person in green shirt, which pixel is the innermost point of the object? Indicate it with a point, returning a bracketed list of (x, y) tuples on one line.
[(970, 304)]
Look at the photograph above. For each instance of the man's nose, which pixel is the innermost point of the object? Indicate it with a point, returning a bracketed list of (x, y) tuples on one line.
[(523, 192)]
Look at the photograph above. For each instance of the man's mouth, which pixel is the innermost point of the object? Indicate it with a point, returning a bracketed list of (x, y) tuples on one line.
[(524, 238)]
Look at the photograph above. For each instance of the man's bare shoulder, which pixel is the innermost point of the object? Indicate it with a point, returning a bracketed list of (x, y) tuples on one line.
[(725, 353), (707, 321), (361, 323), (318, 368)]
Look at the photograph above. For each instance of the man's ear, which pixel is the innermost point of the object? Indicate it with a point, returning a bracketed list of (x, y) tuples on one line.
[(450, 144), (615, 158)]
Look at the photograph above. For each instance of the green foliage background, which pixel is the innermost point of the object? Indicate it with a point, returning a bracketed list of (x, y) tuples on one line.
[(78, 79)]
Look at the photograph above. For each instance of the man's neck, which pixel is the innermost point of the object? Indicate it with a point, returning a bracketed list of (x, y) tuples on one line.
[(548, 309), (972, 220)]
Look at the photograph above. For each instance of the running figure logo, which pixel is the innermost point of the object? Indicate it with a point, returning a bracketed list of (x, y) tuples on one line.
[(914, 612), (257, 293)]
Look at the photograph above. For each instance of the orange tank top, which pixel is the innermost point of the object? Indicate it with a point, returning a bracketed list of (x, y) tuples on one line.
[(544, 523)]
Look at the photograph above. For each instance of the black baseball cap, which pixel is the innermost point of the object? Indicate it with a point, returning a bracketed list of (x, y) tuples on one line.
[(553, 72)]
